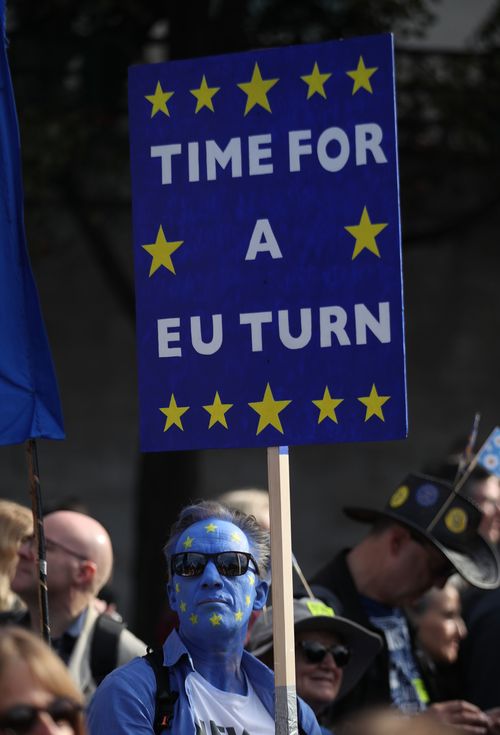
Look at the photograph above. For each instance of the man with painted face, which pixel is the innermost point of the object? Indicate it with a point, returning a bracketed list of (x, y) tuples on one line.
[(218, 561)]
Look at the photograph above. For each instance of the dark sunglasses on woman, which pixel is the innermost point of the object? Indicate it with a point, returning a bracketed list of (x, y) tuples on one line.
[(21, 719), (314, 652)]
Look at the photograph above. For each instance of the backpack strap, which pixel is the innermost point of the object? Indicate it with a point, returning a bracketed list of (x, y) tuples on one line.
[(104, 646), (165, 698)]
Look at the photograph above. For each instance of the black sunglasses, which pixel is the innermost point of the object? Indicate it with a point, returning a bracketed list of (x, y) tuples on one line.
[(228, 563), (315, 652), (20, 720)]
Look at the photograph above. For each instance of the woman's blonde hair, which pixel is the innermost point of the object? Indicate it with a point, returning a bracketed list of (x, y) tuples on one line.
[(18, 644), (16, 522)]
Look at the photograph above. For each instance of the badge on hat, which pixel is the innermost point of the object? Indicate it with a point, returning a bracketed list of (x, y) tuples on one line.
[(456, 520), (399, 497), (427, 495)]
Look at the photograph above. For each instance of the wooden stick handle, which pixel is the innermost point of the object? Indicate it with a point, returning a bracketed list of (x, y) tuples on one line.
[(282, 591)]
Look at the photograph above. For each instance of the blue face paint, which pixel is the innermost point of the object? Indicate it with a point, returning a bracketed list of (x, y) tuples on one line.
[(212, 605)]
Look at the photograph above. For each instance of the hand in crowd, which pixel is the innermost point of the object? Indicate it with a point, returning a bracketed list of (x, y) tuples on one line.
[(494, 715), (464, 715)]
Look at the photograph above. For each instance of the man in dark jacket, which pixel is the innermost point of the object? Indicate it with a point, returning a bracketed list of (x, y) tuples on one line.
[(424, 534)]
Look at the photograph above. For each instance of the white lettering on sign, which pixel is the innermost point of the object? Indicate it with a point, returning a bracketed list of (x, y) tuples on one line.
[(165, 153), (331, 325), (333, 147), (263, 241), (257, 153), (231, 154), (206, 348), (380, 327), (369, 138), (303, 339), (166, 337), (208, 160), (256, 319), (328, 327)]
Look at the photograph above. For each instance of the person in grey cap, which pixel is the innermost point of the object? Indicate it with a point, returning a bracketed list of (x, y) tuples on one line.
[(331, 652), (425, 533)]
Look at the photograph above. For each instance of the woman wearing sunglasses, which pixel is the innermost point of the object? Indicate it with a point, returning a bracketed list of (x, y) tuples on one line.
[(37, 694), (331, 652)]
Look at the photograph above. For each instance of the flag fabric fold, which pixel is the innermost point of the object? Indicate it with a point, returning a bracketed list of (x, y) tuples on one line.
[(489, 454), (29, 398)]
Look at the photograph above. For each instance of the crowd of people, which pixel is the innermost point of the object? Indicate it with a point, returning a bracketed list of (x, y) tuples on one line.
[(397, 634)]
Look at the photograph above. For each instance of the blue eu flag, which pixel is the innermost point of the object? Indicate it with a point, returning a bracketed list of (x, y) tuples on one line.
[(29, 399)]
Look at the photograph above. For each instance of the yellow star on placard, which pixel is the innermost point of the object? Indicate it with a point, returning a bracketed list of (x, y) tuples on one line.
[(217, 411), (211, 528), (361, 76), (248, 600), (204, 95), (188, 542), (315, 82), (183, 607), (215, 619), (327, 406), (173, 412), (374, 404), (159, 100), (269, 410), (161, 250), (238, 615), (256, 90), (193, 618), (365, 233)]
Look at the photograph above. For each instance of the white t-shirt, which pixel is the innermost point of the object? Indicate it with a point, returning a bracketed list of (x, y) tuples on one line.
[(216, 711)]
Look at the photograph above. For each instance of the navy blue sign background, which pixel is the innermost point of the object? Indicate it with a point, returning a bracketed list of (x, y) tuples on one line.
[(267, 248)]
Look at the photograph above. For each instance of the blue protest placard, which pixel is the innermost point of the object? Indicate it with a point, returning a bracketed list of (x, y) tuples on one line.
[(267, 247)]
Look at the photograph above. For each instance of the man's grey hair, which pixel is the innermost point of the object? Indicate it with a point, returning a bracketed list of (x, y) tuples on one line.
[(258, 537)]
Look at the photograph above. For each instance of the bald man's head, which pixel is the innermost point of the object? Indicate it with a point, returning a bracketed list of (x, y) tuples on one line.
[(85, 538)]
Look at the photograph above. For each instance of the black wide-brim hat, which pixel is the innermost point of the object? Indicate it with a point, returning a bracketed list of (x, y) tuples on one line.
[(432, 509), (315, 615)]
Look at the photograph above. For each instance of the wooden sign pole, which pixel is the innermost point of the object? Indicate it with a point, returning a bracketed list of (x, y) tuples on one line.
[(282, 591)]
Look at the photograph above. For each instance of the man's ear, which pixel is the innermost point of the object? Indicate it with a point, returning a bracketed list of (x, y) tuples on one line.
[(86, 572), (398, 537), (261, 593)]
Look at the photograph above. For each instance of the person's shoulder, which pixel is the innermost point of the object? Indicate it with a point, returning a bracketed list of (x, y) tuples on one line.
[(333, 583), (136, 675), (307, 719), (124, 702)]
